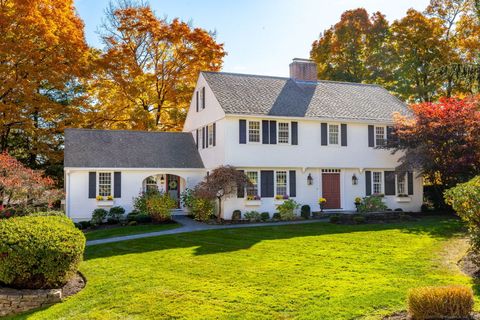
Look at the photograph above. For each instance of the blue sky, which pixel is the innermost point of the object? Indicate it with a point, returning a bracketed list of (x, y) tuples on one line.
[(262, 36)]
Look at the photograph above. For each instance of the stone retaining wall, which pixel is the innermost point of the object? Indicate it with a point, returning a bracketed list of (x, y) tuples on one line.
[(16, 301)]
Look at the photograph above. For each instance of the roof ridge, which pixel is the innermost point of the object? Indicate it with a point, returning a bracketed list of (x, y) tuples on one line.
[(288, 78), (124, 130)]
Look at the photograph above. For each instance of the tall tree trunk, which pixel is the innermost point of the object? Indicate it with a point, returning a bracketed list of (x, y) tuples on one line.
[(219, 215)]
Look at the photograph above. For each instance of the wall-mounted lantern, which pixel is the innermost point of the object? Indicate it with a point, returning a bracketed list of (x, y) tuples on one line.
[(162, 178), (354, 180), (309, 179)]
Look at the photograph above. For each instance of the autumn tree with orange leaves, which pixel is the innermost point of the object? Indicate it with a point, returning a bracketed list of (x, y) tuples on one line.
[(149, 69), (42, 53)]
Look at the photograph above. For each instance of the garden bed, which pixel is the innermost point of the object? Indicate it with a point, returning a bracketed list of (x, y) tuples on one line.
[(403, 315), (108, 231), (15, 301)]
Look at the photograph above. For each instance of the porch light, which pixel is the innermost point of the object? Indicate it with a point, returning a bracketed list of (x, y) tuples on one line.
[(309, 179), (162, 179), (354, 180)]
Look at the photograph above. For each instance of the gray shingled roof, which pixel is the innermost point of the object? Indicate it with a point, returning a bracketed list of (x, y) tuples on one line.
[(130, 149), (276, 96)]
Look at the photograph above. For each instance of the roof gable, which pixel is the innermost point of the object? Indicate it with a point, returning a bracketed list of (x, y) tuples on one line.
[(276, 96)]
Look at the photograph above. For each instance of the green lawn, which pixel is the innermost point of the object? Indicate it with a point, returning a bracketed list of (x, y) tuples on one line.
[(128, 230), (312, 271)]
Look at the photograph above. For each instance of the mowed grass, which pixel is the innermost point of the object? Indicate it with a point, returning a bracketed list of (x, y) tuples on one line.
[(309, 271), (128, 230)]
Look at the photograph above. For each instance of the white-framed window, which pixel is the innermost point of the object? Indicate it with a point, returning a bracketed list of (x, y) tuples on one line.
[(151, 184), (210, 135), (202, 98), (254, 131), (252, 190), (377, 182), (105, 184), (283, 132), (380, 137), (333, 133), (401, 184), (281, 183)]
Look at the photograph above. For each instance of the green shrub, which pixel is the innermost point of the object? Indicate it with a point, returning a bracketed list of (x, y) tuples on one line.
[(236, 215), (201, 209), (116, 213), (287, 209), (98, 216), (334, 219), (131, 216), (264, 216), (252, 216), (359, 219), (372, 204), (305, 211), (276, 216), (157, 205), (48, 214), (85, 224), (39, 252), (132, 223), (465, 200), (453, 302), (142, 218)]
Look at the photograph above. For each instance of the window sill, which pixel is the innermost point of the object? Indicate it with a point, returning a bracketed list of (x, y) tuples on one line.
[(105, 203), (403, 199), (253, 203)]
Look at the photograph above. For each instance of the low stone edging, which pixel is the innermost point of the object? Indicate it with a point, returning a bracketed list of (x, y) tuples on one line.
[(13, 301)]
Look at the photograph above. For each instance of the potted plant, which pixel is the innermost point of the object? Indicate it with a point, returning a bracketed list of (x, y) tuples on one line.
[(358, 202), (321, 203)]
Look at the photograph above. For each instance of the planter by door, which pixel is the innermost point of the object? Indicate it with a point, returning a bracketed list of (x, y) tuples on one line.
[(331, 190), (173, 187)]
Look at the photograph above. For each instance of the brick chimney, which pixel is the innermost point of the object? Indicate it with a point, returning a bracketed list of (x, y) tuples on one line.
[(303, 70)]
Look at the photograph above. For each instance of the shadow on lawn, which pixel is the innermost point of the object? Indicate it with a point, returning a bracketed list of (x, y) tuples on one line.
[(227, 240)]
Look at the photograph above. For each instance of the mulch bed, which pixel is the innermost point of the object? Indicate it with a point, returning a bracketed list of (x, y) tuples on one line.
[(468, 266), (73, 286)]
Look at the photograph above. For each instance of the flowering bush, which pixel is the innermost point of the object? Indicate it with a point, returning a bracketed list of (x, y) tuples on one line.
[(287, 209), (322, 200), (158, 205), (372, 204), (201, 209), (358, 200)]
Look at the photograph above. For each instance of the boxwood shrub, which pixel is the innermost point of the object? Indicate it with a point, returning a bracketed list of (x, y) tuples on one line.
[(39, 251)]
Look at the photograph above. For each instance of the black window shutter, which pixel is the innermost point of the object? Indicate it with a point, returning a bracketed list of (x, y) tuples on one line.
[(203, 138), (92, 185), (265, 132), (343, 128), (197, 102), (203, 98), (324, 134), (371, 136), (389, 134), (240, 191), (214, 134), (196, 138), (368, 183), (242, 125), (293, 183), (389, 183), (117, 184), (266, 184), (273, 132), (294, 132), (410, 182)]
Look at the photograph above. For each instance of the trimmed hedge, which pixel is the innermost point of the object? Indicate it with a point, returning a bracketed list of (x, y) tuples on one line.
[(39, 252)]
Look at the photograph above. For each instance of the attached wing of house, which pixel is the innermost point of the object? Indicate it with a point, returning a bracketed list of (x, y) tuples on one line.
[(294, 137)]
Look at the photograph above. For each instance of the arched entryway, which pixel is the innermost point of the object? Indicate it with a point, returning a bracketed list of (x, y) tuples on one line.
[(170, 183)]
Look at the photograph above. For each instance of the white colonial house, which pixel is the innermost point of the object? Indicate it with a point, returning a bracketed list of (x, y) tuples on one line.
[(296, 137)]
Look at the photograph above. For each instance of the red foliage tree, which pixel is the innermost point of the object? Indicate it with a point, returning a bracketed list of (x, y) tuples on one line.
[(442, 140), (23, 187)]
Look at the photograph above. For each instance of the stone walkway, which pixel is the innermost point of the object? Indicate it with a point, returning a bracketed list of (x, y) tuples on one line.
[(189, 225)]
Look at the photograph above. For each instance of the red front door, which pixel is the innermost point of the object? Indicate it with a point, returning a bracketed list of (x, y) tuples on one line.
[(331, 190)]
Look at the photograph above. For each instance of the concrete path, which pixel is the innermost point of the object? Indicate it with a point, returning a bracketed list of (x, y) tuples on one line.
[(190, 225)]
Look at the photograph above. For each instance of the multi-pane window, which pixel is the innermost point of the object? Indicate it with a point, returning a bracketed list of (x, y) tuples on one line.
[(104, 184), (252, 189), (401, 184), (379, 136), (254, 131), (283, 132), (281, 182), (377, 182), (151, 184), (333, 130), (210, 135), (200, 138)]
